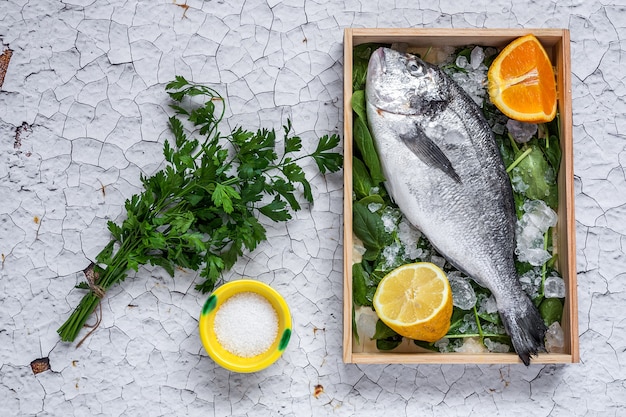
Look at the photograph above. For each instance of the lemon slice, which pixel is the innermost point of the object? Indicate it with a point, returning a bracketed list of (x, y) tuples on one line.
[(415, 300)]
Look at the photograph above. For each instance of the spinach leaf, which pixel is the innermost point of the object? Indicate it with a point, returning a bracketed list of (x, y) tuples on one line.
[(534, 172), (365, 145), (358, 104), (386, 338), (361, 180), (369, 227), (360, 286)]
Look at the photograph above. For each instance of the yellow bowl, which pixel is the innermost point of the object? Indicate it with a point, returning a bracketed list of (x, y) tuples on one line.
[(225, 358)]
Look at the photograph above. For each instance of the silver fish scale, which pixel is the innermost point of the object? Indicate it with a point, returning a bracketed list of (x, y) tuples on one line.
[(445, 173)]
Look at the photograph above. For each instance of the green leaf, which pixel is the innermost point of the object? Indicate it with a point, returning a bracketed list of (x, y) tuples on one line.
[(355, 330), (360, 283), (360, 60), (295, 174), (176, 127), (328, 161), (383, 331), (358, 104), (182, 222), (365, 145), (164, 263), (533, 171), (361, 181), (369, 227), (223, 196), (105, 256), (292, 144), (276, 210), (115, 230)]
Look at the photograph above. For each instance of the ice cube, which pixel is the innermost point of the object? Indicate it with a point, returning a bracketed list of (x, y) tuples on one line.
[(555, 339), (463, 295), (461, 61), (374, 207), (476, 57), (498, 128), (469, 324), (520, 131), (517, 182), (391, 255), (531, 282), (554, 287), (495, 347), (366, 324), (471, 345), (488, 305), (390, 219), (438, 260), (409, 237), (442, 344), (537, 219), (540, 214)]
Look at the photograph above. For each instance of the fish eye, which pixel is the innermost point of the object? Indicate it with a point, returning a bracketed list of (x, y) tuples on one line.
[(413, 67)]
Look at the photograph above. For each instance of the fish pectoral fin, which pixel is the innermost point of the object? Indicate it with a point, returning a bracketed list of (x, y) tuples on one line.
[(426, 150)]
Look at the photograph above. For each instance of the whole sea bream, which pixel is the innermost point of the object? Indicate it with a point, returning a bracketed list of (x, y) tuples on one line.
[(444, 171)]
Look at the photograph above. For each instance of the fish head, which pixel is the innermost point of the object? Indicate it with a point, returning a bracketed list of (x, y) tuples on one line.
[(401, 83)]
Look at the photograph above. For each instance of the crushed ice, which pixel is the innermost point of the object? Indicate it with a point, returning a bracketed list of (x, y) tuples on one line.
[(473, 73), (531, 282), (409, 237), (554, 287), (463, 295), (537, 219)]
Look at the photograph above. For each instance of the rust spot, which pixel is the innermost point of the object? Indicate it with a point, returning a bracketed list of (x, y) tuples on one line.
[(4, 64), (36, 219), (183, 6), (316, 329), (318, 390), (74, 362), (40, 365)]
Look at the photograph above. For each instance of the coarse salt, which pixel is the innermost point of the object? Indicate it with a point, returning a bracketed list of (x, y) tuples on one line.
[(246, 324)]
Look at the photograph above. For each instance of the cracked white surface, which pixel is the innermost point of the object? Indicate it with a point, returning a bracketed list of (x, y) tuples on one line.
[(85, 87)]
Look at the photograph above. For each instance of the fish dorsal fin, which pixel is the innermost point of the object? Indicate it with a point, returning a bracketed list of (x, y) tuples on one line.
[(426, 150)]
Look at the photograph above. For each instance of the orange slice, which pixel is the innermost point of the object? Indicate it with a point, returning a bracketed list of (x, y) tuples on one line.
[(521, 81), (415, 300)]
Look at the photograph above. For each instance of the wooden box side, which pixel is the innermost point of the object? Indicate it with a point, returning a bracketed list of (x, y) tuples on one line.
[(557, 44)]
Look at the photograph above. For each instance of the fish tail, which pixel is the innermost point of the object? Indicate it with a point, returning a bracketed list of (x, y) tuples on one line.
[(525, 326)]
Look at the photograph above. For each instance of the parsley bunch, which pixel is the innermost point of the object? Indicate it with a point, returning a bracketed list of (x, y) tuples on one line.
[(201, 211)]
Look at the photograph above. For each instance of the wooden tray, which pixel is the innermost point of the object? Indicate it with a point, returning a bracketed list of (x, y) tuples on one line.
[(557, 44)]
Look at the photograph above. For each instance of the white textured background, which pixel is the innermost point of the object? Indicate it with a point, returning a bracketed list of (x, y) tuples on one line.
[(85, 91)]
